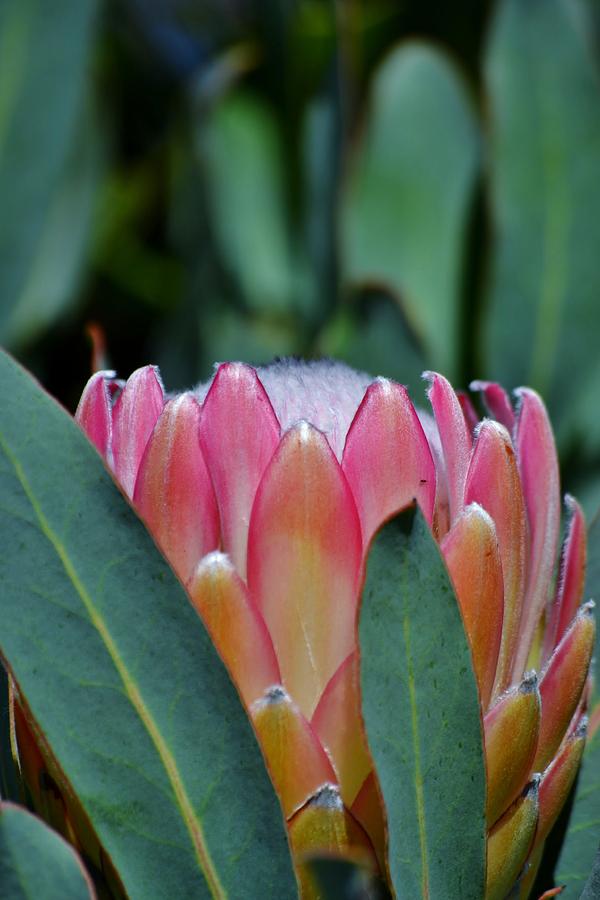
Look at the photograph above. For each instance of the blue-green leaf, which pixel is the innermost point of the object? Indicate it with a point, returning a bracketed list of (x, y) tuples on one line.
[(121, 677), (35, 863), (544, 117), (46, 177), (421, 711), (409, 194)]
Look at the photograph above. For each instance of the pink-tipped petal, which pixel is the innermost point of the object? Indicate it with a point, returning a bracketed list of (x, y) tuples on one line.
[(493, 482), (454, 436), (469, 411), (304, 561), (387, 459), (562, 683), (239, 433), (296, 760), (235, 625), (513, 722), (538, 465), (173, 491), (93, 412), (134, 416), (571, 578), (338, 724), (497, 403), (558, 779), (471, 553)]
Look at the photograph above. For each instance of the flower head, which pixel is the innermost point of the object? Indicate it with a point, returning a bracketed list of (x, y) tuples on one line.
[(264, 488)]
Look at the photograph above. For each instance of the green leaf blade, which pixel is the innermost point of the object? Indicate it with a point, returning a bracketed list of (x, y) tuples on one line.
[(409, 193), (120, 674), (421, 711), (592, 885), (36, 862), (44, 62), (544, 115)]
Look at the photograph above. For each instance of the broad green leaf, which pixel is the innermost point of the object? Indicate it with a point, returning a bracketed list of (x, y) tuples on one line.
[(583, 832), (43, 62), (591, 890), (241, 152), (56, 268), (35, 862), (544, 116), (120, 674), (409, 194), (421, 712)]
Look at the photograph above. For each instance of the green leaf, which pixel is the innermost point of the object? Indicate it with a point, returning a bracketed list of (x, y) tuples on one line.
[(544, 113), (409, 194), (243, 157), (591, 890), (120, 674), (43, 62), (35, 862), (421, 711)]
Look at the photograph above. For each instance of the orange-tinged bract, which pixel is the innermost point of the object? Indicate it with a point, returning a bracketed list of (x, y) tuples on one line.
[(264, 487)]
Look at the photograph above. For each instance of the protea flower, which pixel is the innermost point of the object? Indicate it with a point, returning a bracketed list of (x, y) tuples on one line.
[(264, 488)]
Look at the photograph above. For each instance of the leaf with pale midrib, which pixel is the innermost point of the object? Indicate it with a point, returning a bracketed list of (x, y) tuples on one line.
[(120, 674), (421, 712)]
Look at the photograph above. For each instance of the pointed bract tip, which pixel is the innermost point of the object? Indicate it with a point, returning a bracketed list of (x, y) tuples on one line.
[(582, 728), (384, 383), (215, 561), (475, 509), (274, 694), (327, 796), (588, 609), (487, 424), (532, 788), (529, 684)]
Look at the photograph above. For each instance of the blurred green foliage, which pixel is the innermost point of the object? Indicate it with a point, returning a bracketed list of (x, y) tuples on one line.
[(404, 185)]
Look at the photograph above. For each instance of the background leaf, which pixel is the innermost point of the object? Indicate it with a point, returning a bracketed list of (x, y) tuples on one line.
[(592, 886), (409, 194), (421, 712), (36, 862), (243, 157), (544, 116), (43, 67), (120, 674)]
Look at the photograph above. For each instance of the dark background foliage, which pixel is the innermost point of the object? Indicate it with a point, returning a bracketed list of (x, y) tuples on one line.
[(400, 184)]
